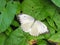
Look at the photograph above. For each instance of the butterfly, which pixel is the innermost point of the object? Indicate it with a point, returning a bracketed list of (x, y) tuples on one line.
[(32, 26)]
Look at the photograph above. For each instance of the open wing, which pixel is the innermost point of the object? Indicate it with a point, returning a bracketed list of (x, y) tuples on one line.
[(26, 21), (24, 18), (38, 28), (42, 27), (26, 26)]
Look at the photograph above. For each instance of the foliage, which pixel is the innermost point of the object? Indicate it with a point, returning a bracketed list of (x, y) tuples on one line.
[(47, 11), (56, 2)]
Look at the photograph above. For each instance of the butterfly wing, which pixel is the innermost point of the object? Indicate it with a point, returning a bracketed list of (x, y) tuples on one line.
[(26, 26), (26, 22), (24, 18), (42, 27), (38, 28), (34, 29)]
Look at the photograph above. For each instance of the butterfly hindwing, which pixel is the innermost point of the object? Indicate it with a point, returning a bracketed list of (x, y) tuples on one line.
[(26, 26), (38, 28), (42, 28), (34, 30)]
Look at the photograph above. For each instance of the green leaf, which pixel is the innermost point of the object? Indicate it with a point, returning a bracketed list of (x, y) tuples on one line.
[(55, 37), (39, 9), (8, 31), (42, 42), (56, 2), (7, 15), (51, 22), (2, 4), (51, 31), (56, 18), (2, 39), (15, 23), (17, 38)]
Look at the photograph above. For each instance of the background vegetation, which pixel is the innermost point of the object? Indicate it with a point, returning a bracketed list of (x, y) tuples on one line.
[(47, 11)]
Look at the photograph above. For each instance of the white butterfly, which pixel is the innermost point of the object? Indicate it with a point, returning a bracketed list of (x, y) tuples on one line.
[(28, 24)]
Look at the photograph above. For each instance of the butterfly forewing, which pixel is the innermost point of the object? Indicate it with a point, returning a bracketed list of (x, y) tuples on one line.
[(26, 22), (34, 29), (23, 18)]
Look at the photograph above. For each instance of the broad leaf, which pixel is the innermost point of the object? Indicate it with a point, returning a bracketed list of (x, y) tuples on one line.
[(56, 18), (2, 4), (7, 15), (17, 38), (55, 37), (39, 9), (56, 2), (2, 39)]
